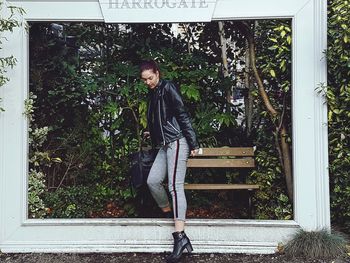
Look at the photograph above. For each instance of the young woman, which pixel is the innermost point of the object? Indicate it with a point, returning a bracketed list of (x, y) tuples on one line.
[(170, 128)]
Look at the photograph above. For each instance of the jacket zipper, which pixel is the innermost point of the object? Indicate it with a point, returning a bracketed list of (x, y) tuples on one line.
[(173, 126), (161, 124)]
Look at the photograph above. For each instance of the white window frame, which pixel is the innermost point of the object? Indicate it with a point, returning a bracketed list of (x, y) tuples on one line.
[(310, 148)]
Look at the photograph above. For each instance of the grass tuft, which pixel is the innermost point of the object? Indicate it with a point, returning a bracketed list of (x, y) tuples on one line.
[(316, 245)]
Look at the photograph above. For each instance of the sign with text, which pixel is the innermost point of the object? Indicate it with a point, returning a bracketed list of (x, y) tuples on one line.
[(145, 11)]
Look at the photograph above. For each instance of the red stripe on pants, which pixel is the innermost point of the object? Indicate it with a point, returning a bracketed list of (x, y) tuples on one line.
[(174, 179)]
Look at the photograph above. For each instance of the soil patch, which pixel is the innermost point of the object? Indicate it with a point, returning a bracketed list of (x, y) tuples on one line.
[(153, 258)]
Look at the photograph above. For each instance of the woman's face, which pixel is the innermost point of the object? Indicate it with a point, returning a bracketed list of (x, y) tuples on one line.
[(150, 78)]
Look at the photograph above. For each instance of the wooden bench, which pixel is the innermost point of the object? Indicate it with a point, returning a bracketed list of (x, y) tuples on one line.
[(225, 157)]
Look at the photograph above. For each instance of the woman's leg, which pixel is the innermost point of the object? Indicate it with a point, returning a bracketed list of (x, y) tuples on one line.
[(179, 225), (177, 154), (155, 179)]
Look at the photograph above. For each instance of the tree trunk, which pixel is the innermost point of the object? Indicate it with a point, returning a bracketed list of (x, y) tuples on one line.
[(248, 99), (223, 44), (282, 144)]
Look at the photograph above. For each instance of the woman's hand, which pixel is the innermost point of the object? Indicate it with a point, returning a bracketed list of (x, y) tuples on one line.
[(194, 152)]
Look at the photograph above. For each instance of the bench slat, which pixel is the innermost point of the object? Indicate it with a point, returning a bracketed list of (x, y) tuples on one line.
[(206, 163), (226, 151), (221, 186)]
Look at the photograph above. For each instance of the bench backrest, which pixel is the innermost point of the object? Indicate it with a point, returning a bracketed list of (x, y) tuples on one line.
[(239, 157)]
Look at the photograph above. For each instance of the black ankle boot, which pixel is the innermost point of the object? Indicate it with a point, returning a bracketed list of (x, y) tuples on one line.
[(181, 241)]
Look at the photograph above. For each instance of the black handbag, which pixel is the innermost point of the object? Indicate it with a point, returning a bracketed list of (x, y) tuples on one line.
[(141, 163)]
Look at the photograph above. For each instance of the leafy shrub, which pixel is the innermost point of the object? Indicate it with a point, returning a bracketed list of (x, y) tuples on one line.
[(78, 201), (37, 160), (338, 99), (271, 201), (36, 191)]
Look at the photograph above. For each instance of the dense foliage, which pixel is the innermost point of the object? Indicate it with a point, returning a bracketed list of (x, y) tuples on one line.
[(338, 98), (89, 97)]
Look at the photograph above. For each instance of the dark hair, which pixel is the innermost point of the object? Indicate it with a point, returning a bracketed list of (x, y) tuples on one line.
[(149, 65)]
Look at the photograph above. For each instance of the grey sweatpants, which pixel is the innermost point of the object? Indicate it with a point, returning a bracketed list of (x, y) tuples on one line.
[(171, 160)]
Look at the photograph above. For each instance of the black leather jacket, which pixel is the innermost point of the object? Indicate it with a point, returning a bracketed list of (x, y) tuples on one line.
[(167, 118)]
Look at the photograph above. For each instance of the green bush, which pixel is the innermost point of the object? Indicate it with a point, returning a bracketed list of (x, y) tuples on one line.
[(36, 192), (37, 161), (78, 201), (271, 201), (338, 99)]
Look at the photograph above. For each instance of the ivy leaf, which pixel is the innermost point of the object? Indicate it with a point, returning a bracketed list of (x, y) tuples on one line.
[(272, 73), (283, 33)]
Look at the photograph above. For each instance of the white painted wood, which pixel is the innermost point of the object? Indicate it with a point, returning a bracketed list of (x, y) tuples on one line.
[(311, 191), (321, 136), (13, 133), (131, 11), (2, 151), (148, 235), (235, 9), (303, 110), (18, 234), (88, 11)]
